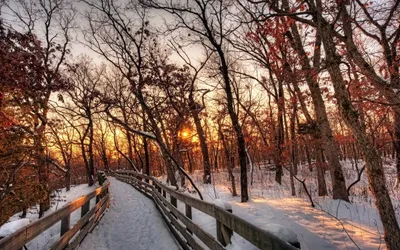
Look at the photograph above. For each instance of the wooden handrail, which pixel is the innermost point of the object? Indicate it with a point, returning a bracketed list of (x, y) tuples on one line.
[(88, 218), (226, 221)]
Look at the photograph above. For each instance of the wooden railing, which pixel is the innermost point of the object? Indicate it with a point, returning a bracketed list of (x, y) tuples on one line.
[(89, 219), (183, 226)]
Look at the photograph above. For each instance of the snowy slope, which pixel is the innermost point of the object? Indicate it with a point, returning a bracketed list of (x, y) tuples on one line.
[(59, 199), (12, 227), (332, 224), (131, 222), (315, 229)]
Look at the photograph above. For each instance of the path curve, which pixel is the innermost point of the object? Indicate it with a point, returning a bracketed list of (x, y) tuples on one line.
[(131, 222)]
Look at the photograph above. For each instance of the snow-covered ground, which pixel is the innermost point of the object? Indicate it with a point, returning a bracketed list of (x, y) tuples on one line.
[(332, 224), (315, 229), (58, 200), (131, 222), (13, 226)]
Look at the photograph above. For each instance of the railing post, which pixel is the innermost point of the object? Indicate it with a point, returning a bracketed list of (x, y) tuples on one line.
[(188, 213), (98, 198), (100, 178), (155, 188), (224, 233), (65, 223), (174, 203), (85, 208)]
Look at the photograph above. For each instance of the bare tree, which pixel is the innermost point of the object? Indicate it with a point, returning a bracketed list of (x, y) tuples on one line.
[(121, 34), (208, 24), (53, 20), (84, 104), (261, 49), (118, 86), (195, 106), (63, 137), (348, 111)]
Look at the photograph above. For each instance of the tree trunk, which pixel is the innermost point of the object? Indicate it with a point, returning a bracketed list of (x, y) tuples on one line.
[(397, 143), (44, 203), (24, 212), (322, 190), (146, 157), (128, 135), (293, 170), (331, 148), (139, 156), (344, 151), (68, 179), (236, 126), (307, 149), (228, 159), (280, 135), (104, 158), (355, 157), (91, 155), (84, 156), (190, 163), (170, 163), (216, 159), (373, 161), (146, 149), (43, 173), (203, 147)]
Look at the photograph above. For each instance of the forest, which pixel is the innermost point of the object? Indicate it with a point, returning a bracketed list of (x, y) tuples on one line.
[(297, 93)]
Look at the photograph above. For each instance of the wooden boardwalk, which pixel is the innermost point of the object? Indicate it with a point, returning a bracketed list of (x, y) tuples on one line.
[(140, 211), (131, 222), (189, 234)]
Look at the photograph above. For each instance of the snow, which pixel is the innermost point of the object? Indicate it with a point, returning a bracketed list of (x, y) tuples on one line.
[(131, 222), (250, 161), (12, 227), (333, 224), (52, 161), (224, 204), (143, 133), (281, 232), (58, 200)]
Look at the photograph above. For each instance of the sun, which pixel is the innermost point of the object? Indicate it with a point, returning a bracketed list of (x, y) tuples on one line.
[(185, 134)]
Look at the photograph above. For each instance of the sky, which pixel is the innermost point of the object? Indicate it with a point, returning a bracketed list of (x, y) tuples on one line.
[(78, 47)]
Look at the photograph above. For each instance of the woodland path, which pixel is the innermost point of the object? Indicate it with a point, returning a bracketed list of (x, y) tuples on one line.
[(131, 222)]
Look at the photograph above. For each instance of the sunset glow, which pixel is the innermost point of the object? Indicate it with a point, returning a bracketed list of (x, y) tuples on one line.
[(291, 108)]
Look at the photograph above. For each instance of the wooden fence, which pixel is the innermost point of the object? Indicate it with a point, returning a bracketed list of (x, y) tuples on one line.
[(89, 219), (185, 229)]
